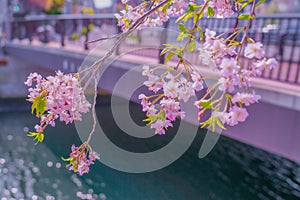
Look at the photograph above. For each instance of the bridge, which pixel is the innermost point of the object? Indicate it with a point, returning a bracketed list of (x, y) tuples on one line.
[(48, 43)]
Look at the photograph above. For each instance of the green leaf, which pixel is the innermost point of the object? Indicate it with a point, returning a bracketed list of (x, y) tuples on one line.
[(39, 105), (220, 124), (210, 11), (191, 8), (192, 46), (195, 18), (169, 56), (259, 3), (187, 17), (161, 115), (212, 122), (228, 96), (243, 6), (206, 123), (41, 108), (181, 36), (250, 40), (179, 54), (181, 27), (150, 119), (165, 50), (38, 136), (32, 134), (234, 43), (166, 6), (171, 45), (200, 15), (201, 34), (180, 18), (245, 17), (206, 104), (65, 159)]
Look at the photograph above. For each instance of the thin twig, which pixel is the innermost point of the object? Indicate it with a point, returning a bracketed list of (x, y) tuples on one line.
[(121, 37), (246, 29), (93, 113), (104, 38)]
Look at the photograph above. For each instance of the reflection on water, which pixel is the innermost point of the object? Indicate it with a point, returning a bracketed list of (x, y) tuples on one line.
[(33, 172), (231, 171)]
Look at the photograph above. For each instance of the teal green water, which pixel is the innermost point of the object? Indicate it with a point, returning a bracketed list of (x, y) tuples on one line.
[(231, 171)]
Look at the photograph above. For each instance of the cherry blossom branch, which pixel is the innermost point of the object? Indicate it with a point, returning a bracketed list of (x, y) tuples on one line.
[(120, 38), (247, 29), (61, 97), (93, 112)]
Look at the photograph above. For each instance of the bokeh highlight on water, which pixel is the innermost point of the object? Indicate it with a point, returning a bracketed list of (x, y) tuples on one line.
[(233, 170)]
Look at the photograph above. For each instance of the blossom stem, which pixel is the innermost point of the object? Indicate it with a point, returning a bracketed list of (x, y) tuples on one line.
[(93, 113), (97, 64), (246, 30)]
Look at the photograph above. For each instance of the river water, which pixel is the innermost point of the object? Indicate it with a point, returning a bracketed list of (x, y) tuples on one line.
[(233, 170)]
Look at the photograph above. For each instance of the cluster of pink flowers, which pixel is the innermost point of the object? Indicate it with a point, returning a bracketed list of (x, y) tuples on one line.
[(174, 89), (176, 85), (157, 18), (236, 113), (234, 76), (81, 158), (56, 97), (245, 98), (255, 51), (222, 8), (223, 58), (60, 97)]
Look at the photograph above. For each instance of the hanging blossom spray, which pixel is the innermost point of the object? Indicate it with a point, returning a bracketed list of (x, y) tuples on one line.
[(61, 97)]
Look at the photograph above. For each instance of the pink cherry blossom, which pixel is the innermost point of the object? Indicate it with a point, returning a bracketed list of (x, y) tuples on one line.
[(254, 50), (144, 101), (63, 96), (229, 66), (222, 8), (178, 7), (153, 83), (33, 77), (160, 126), (157, 17), (272, 63), (226, 84), (147, 106), (236, 114), (170, 88), (172, 109), (146, 71), (245, 98), (197, 84), (81, 158), (186, 90)]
